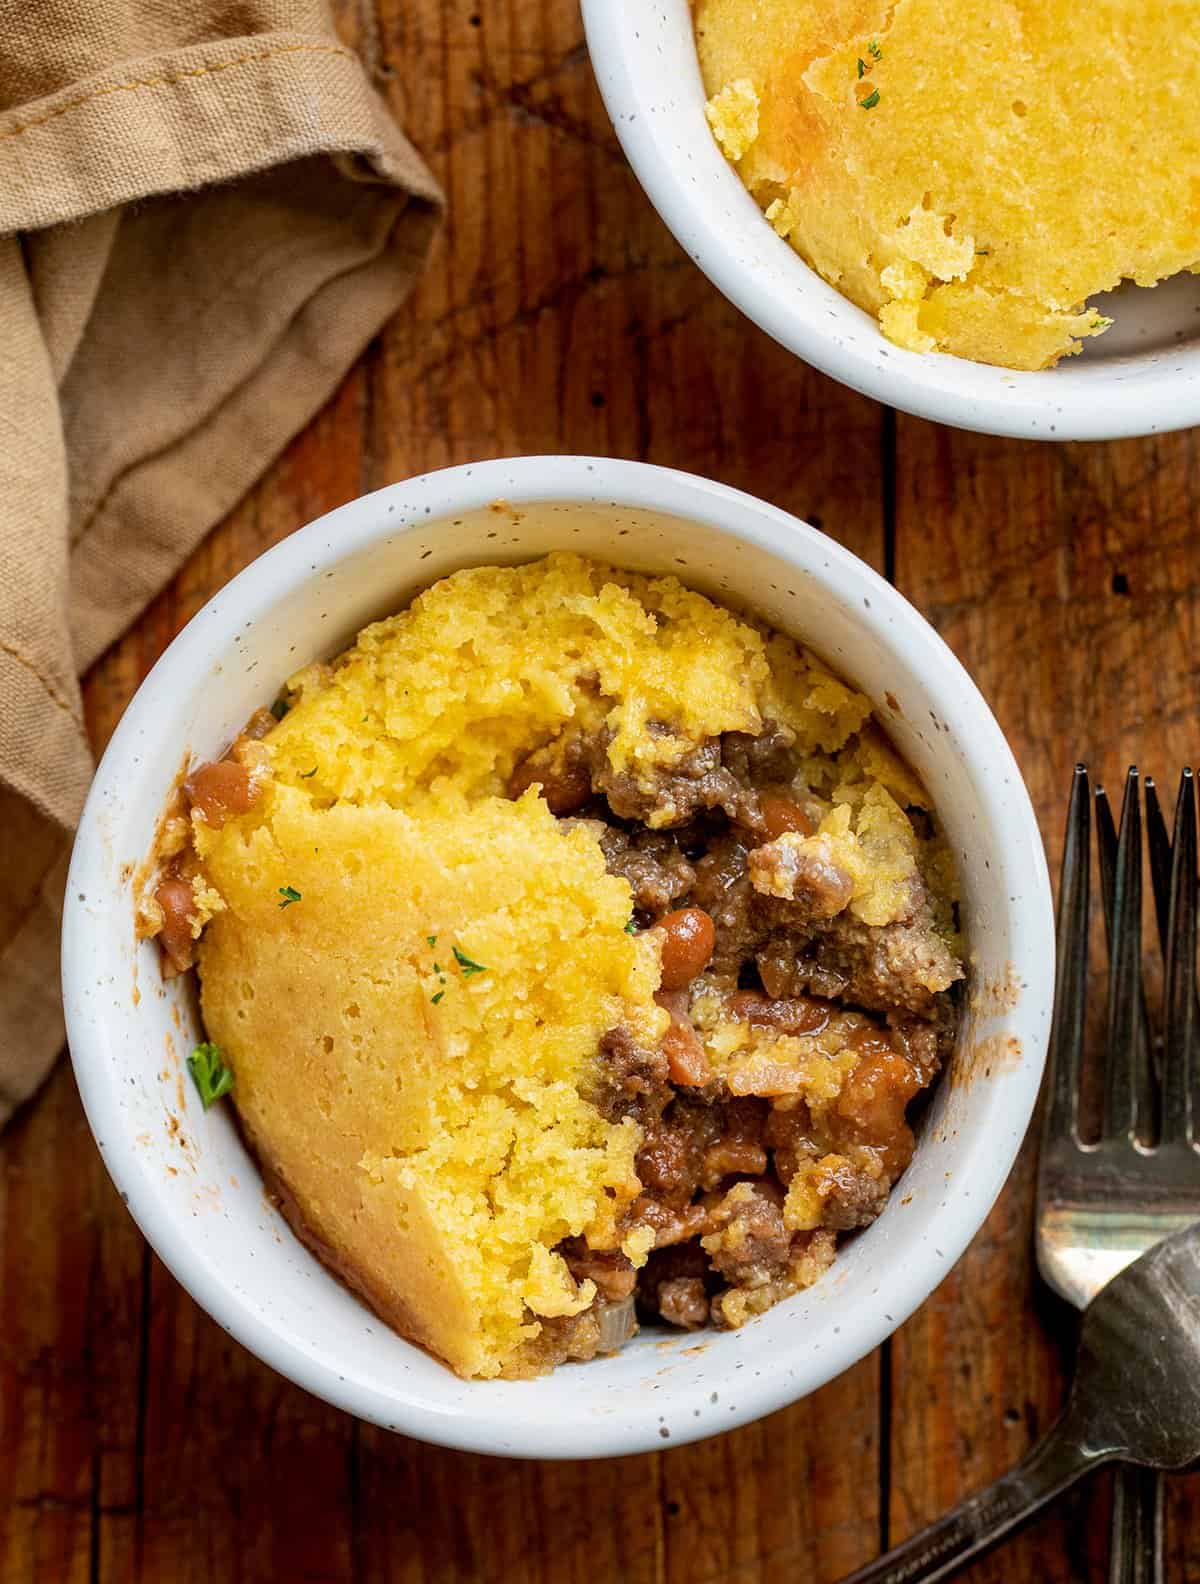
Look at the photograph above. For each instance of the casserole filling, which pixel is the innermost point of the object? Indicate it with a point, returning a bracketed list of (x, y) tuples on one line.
[(575, 949)]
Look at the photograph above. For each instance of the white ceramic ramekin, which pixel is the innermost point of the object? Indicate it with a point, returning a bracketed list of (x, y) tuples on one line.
[(1140, 377), (186, 1176)]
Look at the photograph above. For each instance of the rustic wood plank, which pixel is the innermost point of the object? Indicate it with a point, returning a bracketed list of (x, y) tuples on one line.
[(1065, 578), (70, 1307)]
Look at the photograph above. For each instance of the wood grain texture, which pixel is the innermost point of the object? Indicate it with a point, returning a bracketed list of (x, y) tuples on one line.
[(137, 1442)]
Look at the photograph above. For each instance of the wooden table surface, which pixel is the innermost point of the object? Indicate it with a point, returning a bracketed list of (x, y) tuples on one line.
[(137, 1441)]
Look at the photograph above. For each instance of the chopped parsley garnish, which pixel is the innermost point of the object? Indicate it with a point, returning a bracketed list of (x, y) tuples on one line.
[(307, 775), (431, 940), (280, 708), (874, 51), (289, 895), (436, 998), (631, 927), (862, 66), (209, 1072), (870, 101), (464, 962)]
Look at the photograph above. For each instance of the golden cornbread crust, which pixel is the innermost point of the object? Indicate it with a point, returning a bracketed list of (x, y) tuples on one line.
[(972, 174), (502, 1079)]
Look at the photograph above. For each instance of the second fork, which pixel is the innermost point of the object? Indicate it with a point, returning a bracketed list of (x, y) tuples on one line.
[(1101, 1203)]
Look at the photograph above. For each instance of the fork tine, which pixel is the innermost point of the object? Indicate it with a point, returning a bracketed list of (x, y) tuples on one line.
[(1126, 1086), (1179, 1021), (1070, 986), (1159, 844), (1106, 841), (1160, 870)]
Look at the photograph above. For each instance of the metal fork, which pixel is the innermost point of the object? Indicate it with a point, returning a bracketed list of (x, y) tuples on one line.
[(1100, 1205)]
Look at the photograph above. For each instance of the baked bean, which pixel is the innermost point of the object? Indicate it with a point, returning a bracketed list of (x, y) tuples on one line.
[(609, 1269), (175, 899), (220, 791), (688, 938), (687, 1064), (565, 787), (873, 1101), (781, 814), (789, 1014)]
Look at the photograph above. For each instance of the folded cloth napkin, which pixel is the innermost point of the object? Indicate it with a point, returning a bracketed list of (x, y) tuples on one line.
[(206, 211)]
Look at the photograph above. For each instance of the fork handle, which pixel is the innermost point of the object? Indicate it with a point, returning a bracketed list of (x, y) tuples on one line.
[(1136, 1547), (977, 1523)]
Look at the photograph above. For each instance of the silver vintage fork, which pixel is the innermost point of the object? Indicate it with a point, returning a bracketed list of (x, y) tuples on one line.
[(1100, 1205)]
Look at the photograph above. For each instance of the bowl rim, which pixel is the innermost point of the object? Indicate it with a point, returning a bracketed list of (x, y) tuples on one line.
[(413, 506), (812, 319)]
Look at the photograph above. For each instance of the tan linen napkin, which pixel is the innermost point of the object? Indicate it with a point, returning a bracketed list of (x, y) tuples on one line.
[(206, 211)]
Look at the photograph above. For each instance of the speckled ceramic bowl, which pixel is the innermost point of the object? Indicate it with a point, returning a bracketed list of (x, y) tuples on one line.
[(185, 1175), (1141, 377)]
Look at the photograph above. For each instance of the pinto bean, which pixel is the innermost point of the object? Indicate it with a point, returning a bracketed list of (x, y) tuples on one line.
[(688, 938), (780, 814), (566, 786), (611, 1270), (789, 1014), (687, 1065), (175, 899), (220, 791), (873, 1102)]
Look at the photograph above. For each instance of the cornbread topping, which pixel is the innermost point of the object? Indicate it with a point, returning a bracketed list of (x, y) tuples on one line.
[(972, 175), (572, 949)]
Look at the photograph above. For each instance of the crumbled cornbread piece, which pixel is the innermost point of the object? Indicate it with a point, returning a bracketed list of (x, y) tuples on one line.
[(733, 116)]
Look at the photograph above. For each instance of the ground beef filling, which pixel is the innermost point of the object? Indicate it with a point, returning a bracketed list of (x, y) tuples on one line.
[(715, 1167)]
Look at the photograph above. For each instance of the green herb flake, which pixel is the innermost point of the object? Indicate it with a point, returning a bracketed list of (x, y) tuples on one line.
[(631, 927), (983, 252), (209, 1073), (307, 775), (289, 895), (874, 51), (436, 998), (870, 101), (862, 67), (464, 962), (431, 940), (280, 708)]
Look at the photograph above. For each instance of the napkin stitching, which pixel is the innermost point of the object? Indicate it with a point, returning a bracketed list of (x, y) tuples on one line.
[(57, 698), (176, 77)]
